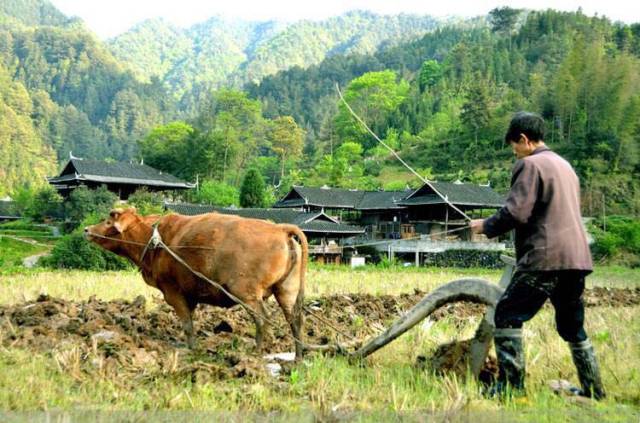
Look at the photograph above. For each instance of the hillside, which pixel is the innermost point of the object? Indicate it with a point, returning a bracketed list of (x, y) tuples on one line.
[(220, 52), (454, 91), (74, 95), (33, 12)]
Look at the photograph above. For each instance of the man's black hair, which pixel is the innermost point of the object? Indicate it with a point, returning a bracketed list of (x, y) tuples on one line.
[(530, 124)]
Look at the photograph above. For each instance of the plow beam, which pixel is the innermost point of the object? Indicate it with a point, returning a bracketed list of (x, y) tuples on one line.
[(473, 290)]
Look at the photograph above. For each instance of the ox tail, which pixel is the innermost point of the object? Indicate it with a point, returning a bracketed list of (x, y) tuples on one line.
[(293, 230)]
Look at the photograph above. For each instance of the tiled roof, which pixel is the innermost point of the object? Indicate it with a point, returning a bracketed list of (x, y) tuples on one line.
[(308, 222), (322, 197), (117, 172), (457, 194), (342, 198), (382, 200)]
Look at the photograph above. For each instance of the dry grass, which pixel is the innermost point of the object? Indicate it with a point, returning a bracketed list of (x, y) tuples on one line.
[(321, 280)]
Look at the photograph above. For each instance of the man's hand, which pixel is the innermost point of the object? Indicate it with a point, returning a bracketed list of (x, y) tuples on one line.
[(476, 226)]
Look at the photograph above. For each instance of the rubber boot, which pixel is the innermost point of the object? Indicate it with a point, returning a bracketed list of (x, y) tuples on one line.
[(587, 366), (511, 365)]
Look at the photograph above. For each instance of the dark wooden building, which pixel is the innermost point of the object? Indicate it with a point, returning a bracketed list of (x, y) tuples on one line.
[(438, 207), (431, 209), (323, 232), (119, 177)]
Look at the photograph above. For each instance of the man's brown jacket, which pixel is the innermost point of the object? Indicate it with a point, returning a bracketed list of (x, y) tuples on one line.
[(543, 206)]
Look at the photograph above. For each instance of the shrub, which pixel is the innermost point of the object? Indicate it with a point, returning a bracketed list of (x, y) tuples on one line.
[(465, 258), (607, 245), (618, 241), (83, 202), (26, 225), (147, 202), (216, 194), (385, 263), (74, 252)]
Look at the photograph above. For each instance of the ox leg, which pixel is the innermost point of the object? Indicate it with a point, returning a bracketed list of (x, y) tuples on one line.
[(184, 310), (293, 314), (259, 318)]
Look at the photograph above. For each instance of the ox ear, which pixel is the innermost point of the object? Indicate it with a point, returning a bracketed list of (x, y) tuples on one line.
[(118, 224), (115, 213)]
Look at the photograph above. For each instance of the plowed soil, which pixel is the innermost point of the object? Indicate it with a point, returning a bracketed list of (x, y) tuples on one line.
[(133, 338)]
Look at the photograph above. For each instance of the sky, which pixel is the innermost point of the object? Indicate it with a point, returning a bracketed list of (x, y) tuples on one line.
[(110, 18)]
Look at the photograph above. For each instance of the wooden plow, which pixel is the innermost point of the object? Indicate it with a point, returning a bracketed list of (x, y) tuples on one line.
[(472, 290)]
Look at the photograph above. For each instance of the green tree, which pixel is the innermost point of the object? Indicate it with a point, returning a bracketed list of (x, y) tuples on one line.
[(23, 198), (286, 139), (83, 202), (476, 110), (147, 202), (503, 19), (216, 193), (234, 129), (166, 148), (345, 168), (252, 191), (430, 74), (46, 204), (373, 96)]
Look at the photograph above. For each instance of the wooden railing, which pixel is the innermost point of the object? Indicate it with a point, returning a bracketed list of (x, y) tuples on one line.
[(426, 245), (325, 249)]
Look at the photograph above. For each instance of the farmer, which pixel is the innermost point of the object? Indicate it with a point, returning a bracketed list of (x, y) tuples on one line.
[(553, 258)]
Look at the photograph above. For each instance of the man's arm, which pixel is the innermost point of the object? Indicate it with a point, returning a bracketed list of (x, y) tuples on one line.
[(519, 205)]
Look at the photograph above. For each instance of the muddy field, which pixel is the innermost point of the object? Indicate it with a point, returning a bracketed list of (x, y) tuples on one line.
[(137, 339)]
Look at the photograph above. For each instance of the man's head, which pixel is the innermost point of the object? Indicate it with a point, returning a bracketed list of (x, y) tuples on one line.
[(525, 133)]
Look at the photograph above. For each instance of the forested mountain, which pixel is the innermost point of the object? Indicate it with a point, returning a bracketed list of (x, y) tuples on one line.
[(80, 97), (24, 155), (33, 13), (221, 52), (453, 93)]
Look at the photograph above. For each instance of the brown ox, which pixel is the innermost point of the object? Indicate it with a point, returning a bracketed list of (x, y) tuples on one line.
[(250, 258)]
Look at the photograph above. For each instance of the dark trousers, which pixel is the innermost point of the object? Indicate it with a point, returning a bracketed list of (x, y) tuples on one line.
[(527, 293)]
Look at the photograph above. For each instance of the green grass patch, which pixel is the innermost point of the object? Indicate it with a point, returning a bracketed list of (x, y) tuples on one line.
[(24, 233), (23, 224), (392, 177), (12, 252)]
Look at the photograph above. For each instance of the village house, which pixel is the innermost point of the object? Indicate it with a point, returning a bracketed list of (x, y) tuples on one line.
[(432, 218), (121, 178), (433, 208)]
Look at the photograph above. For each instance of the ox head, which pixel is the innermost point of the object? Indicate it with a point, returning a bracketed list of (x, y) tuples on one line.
[(110, 231)]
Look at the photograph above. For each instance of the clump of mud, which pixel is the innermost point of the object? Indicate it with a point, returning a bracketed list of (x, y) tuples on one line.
[(454, 357)]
